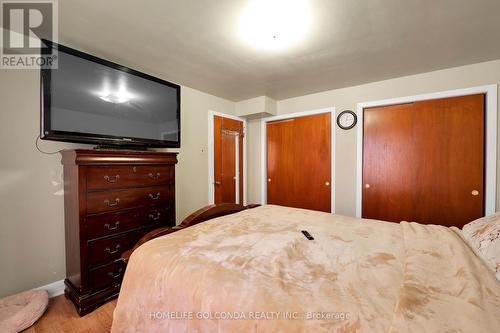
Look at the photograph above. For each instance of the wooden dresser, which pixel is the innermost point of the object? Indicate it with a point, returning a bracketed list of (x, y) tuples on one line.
[(111, 199)]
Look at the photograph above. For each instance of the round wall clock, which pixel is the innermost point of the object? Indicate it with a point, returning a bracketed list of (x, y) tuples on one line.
[(347, 119)]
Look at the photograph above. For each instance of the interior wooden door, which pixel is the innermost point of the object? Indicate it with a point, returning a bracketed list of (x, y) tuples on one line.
[(299, 162), (424, 161), (388, 163), (228, 160), (450, 139)]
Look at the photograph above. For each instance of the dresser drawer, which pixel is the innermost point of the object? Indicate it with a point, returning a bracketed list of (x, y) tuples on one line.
[(113, 223), (107, 275), (102, 178), (106, 250), (107, 201)]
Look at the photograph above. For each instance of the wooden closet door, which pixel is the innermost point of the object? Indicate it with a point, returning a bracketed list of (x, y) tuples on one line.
[(424, 161), (298, 162), (281, 163), (388, 163), (449, 139)]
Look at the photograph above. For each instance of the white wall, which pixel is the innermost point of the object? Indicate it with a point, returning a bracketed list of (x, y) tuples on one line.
[(31, 199), (347, 98), (192, 170)]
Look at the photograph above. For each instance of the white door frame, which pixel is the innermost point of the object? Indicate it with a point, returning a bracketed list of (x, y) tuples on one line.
[(211, 187), (263, 150), (491, 137)]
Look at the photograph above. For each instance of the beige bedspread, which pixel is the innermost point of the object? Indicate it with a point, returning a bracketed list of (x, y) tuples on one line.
[(255, 272)]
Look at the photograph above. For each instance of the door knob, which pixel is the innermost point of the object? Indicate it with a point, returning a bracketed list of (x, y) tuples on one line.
[(475, 192), (367, 185), (327, 183), (216, 182), (268, 180)]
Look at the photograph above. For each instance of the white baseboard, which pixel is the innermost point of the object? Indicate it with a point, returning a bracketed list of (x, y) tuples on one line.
[(54, 289)]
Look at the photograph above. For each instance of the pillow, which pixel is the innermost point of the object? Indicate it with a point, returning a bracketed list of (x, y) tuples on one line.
[(483, 236)]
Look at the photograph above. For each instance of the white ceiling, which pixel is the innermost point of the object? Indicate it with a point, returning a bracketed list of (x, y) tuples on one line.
[(195, 42)]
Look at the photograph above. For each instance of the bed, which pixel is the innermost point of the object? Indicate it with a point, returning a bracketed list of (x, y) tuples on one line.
[(254, 271)]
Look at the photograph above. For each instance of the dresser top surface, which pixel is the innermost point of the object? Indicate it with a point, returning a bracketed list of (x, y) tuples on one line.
[(113, 157)]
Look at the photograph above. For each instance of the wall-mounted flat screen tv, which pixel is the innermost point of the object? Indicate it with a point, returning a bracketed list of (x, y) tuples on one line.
[(91, 100)]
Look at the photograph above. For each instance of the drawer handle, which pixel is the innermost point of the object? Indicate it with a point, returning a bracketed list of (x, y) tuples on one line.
[(154, 175), (155, 218), (112, 179), (117, 248), (155, 197), (107, 225), (111, 204), (117, 275)]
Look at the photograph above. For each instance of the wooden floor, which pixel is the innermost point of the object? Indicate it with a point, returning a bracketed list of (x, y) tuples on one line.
[(61, 316)]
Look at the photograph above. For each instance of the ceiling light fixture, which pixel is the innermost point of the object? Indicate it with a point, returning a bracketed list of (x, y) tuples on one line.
[(275, 24)]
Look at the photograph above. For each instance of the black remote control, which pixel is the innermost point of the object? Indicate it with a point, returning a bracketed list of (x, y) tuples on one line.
[(308, 235)]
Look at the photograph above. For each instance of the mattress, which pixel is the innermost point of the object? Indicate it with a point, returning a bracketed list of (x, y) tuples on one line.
[(254, 271)]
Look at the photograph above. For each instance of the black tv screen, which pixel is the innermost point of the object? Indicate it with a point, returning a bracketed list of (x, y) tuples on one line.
[(90, 100)]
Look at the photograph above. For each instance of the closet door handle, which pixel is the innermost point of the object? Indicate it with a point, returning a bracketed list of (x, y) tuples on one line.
[(475, 193), (217, 182), (367, 185)]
